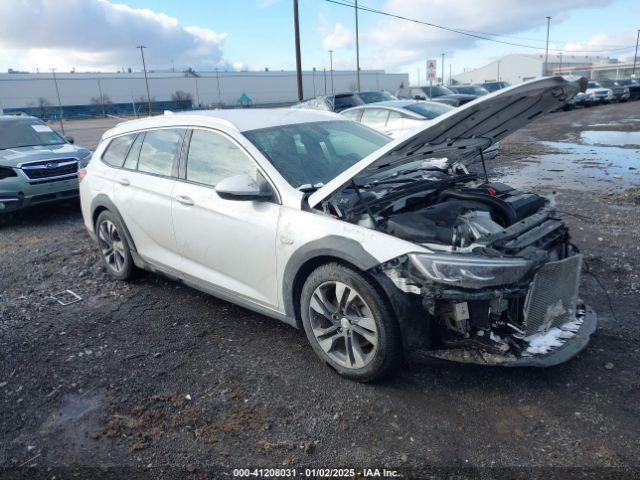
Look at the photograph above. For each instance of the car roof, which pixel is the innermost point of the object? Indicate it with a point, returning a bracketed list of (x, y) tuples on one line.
[(390, 103), (15, 118), (240, 120)]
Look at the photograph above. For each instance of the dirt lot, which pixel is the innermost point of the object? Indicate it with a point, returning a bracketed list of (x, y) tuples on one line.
[(165, 380)]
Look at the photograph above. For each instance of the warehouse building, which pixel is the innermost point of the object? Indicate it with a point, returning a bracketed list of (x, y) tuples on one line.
[(91, 94), (518, 68)]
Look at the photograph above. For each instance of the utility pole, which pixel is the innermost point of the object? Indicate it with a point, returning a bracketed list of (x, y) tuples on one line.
[(104, 113), (443, 69), (197, 92), (418, 70), (146, 80), (296, 27), (331, 70), (560, 69), (498, 70), (357, 49), (546, 51), (313, 73), (635, 55), (219, 94), (324, 73), (450, 78), (55, 81)]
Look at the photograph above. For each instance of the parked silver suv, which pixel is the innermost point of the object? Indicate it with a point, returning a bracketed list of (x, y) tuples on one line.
[(378, 249)]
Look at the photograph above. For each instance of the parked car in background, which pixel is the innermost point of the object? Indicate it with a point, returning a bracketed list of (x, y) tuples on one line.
[(341, 101), (620, 92), (376, 248), (435, 93), (633, 84), (469, 90), (581, 99), (397, 117), (600, 94), (37, 165), (493, 86)]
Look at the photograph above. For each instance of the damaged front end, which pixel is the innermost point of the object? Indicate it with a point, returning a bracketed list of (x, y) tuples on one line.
[(500, 286)]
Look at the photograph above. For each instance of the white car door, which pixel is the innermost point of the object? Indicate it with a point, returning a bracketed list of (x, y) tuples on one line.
[(227, 243), (143, 194)]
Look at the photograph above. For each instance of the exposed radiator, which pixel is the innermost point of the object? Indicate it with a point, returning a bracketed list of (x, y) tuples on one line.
[(552, 297)]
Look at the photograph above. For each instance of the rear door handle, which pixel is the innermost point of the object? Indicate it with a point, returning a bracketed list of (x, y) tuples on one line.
[(185, 200), (124, 182)]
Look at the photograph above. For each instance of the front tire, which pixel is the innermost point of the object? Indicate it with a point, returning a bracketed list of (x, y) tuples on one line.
[(114, 248), (350, 323)]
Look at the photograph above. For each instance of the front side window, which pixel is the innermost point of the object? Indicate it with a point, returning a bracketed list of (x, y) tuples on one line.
[(15, 133), (353, 114), (213, 157), (158, 151), (330, 148), (117, 150)]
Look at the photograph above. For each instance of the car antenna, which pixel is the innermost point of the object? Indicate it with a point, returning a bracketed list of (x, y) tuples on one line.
[(366, 205), (484, 167)]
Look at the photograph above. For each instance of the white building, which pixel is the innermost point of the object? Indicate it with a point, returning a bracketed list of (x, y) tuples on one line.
[(24, 90), (517, 68)]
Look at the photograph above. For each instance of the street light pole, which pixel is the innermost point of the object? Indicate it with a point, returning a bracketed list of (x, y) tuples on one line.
[(55, 81), (104, 113), (296, 27), (443, 69), (146, 80), (331, 70), (357, 48), (219, 94), (546, 52), (635, 55), (498, 70)]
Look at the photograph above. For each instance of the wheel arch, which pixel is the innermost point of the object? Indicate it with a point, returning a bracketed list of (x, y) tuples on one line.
[(314, 254), (101, 203)]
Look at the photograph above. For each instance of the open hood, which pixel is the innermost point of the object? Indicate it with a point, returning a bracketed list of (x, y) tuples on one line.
[(459, 135)]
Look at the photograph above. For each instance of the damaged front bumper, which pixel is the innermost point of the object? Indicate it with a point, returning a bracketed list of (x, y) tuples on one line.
[(569, 348)]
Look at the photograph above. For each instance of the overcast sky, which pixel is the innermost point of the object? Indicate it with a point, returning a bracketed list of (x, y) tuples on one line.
[(254, 34)]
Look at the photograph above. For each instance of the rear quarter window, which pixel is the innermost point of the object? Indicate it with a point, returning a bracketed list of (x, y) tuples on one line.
[(117, 150)]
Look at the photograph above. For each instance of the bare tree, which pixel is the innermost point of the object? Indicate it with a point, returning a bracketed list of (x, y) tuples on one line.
[(44, 107), (101, 105), (183, 99)]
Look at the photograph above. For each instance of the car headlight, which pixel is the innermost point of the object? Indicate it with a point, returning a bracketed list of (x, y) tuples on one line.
[(470, 271), (6, 172)]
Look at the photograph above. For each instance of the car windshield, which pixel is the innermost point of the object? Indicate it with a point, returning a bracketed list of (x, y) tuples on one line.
[(593, 85), (310, 154), (16, 133), (429, 110), (373, 97), (471, 90), (342, 102), (436, 91)]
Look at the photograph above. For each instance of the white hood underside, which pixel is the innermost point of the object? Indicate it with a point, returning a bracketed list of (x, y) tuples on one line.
[(460, 134)]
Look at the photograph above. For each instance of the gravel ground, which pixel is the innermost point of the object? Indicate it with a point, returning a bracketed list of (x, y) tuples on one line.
[(172, 383)]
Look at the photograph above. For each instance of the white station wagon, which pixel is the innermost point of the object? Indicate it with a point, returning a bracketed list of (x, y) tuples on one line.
[(378, 249)]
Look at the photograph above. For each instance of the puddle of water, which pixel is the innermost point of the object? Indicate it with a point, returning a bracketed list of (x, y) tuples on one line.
[(578, 167), (604, 137)]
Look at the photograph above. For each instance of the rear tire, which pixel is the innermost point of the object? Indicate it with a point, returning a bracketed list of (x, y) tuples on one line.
[(349, 323), (114, 248)]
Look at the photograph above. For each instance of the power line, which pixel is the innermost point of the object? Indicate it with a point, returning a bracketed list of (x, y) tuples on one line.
[(469, 33)]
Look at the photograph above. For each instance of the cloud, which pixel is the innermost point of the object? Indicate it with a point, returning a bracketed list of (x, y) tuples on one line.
[(336, 37), (98, 34), (398, 42), (610, 44)]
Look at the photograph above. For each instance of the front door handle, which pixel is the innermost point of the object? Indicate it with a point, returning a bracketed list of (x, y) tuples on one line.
[(124, 182), (185, 200)]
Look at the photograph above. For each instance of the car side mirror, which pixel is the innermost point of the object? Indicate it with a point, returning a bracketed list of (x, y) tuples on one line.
[(69, 138), (242, 187)]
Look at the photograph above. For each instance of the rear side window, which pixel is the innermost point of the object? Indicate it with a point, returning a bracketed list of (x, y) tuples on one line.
[(117, 150), (158, 151), (353, 114), (213, 157), (375, 117)]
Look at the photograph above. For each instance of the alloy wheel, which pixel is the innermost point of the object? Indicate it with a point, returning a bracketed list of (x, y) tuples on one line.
[(111, 245), (343, 324)]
